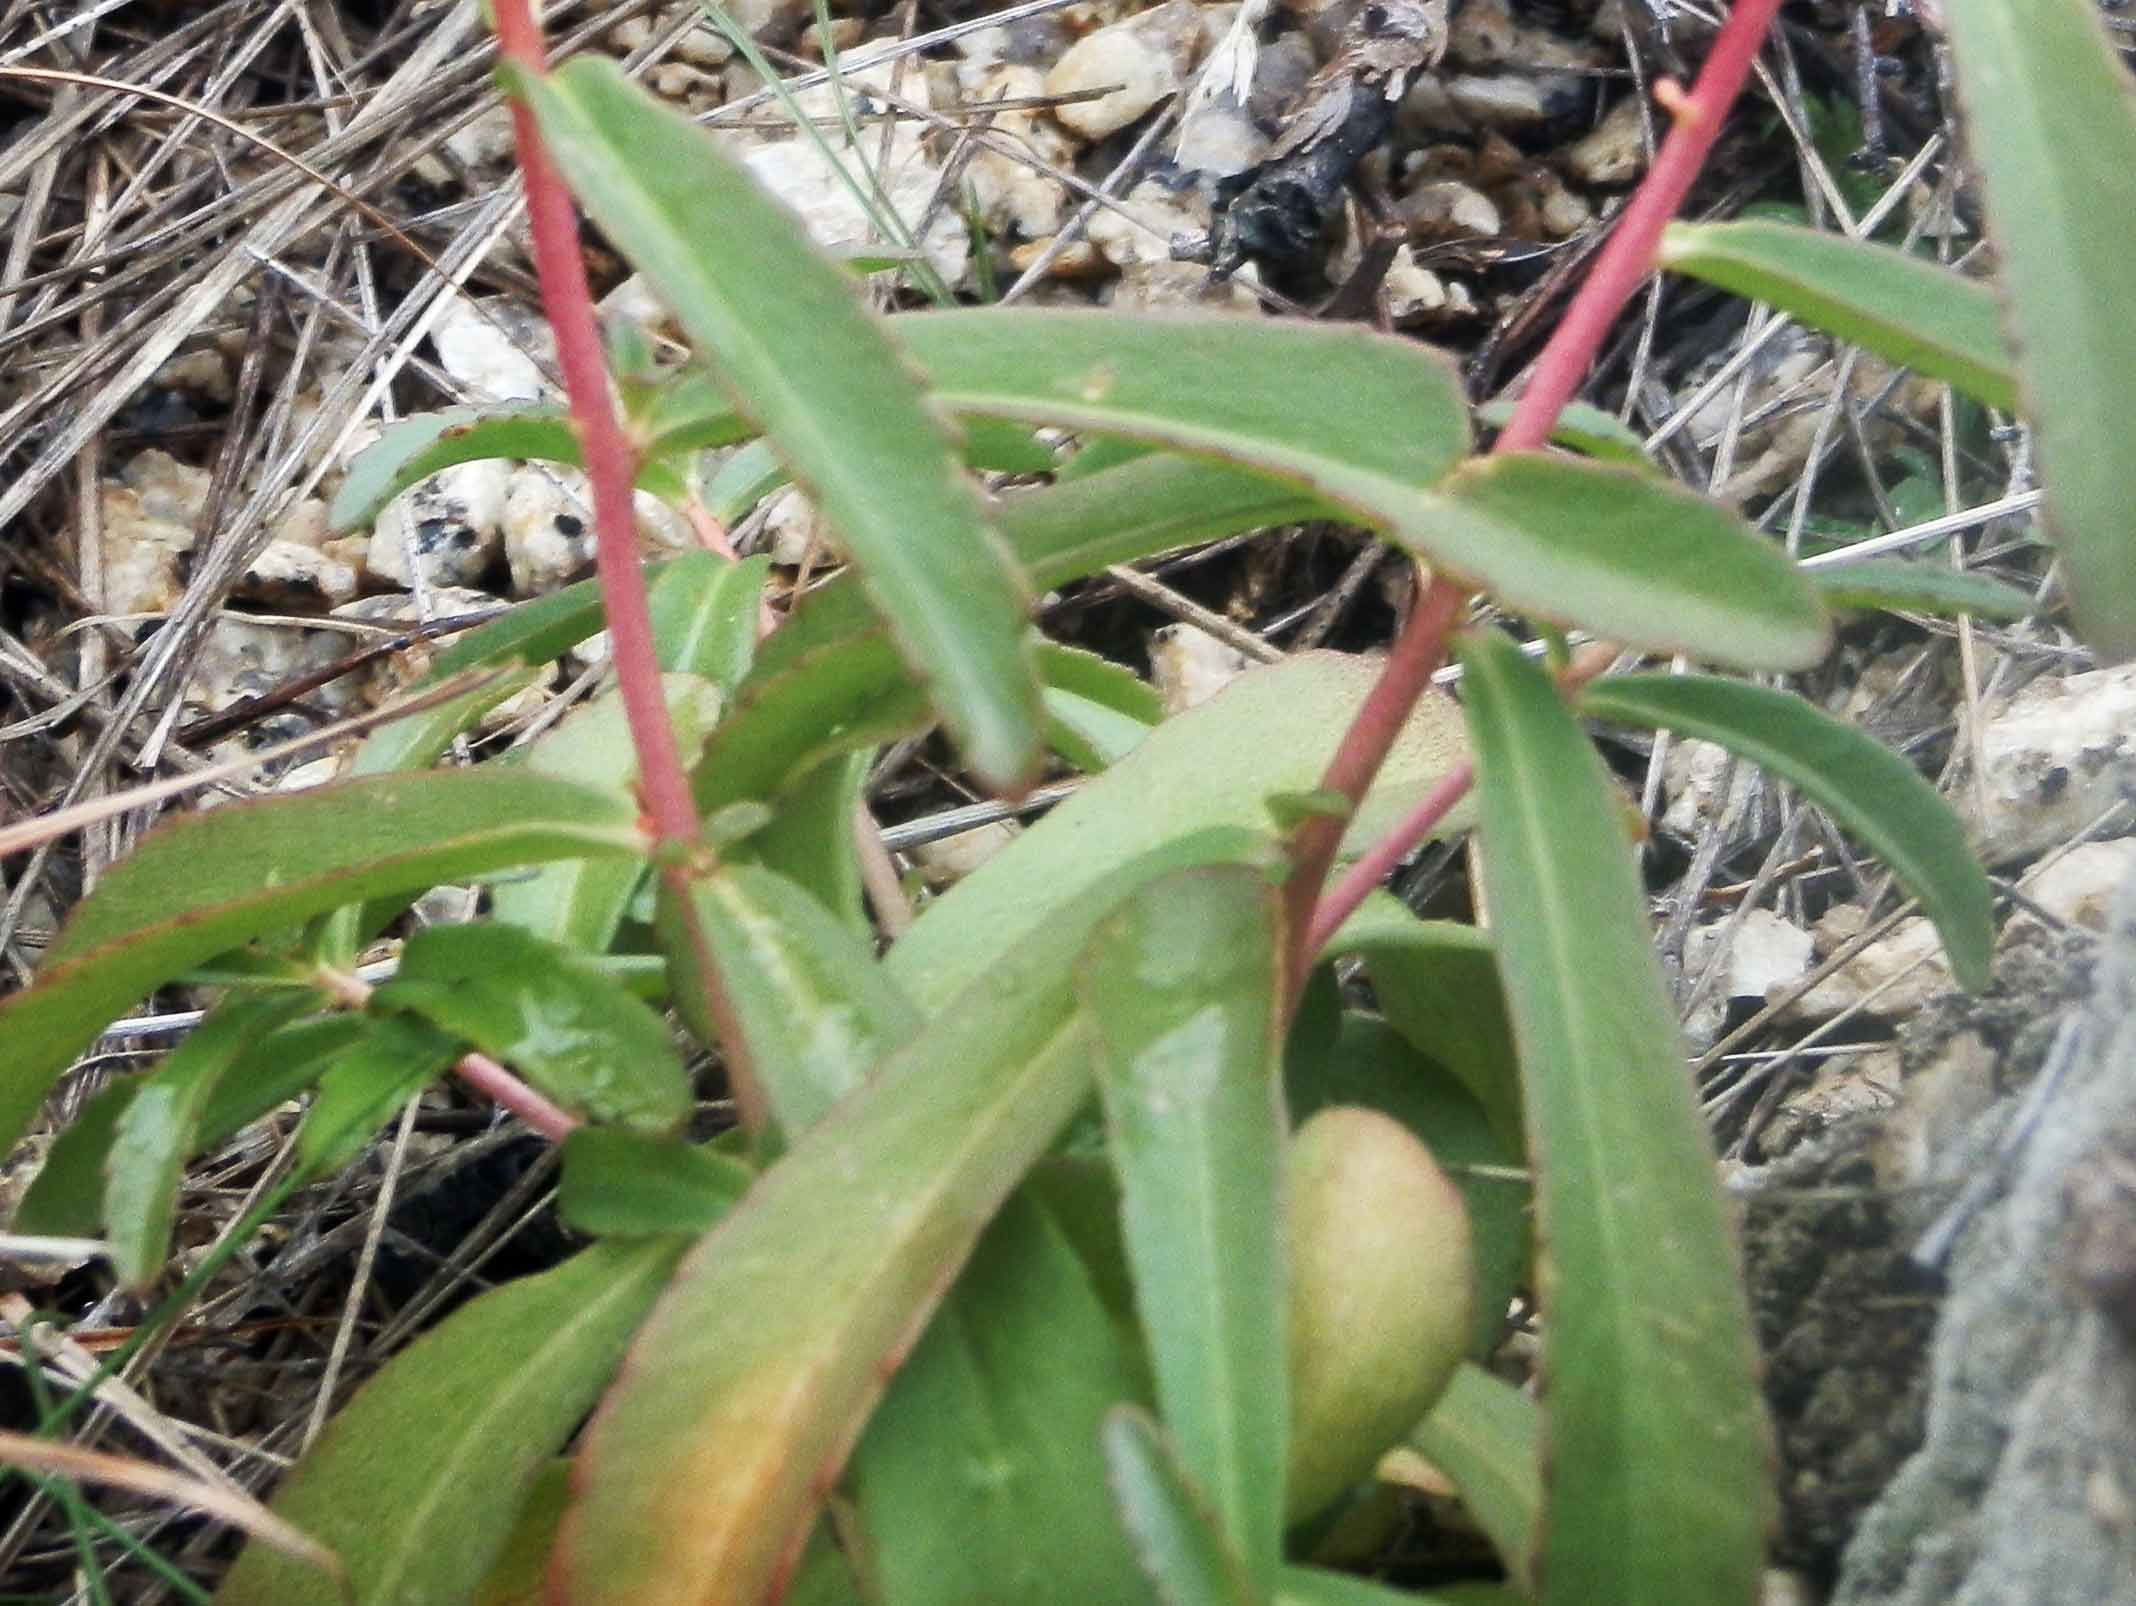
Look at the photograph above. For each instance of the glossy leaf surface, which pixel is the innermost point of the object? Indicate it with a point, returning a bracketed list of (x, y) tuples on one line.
[(209, 882), (2052, 130), (1906, 310), (1867, 788), (788, 335), (1657, 1485), (1182, 988), (418, 1480), (571, 1031)]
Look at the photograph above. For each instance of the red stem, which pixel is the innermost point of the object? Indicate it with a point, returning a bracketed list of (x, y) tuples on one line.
[(611, 465), (508, 1092), (1559, 372), (611, 468)]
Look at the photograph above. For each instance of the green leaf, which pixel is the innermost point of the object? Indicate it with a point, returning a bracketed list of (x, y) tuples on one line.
[(1657, 1485), (704, 615), (66, 1197), (744, 480), (811, 837), (1487, 1436), (1273, 730), (276, 1069), (1581, 427), (419, 1479), (155, 1135), (537, 631), (1437, 984), (814, 1009), (418, 741), (560, 1022), (1176, 1535), (1906, 310), (410, 451), (581, 902), (1623, 554), (789, 336), (1902, 585), (979, 1478), (1203, 385), (1183, 987), (1867, 788), (1096, 712), (206, 883), (363, 1085), (620, 1184), (703, 1472), (2053, 133)]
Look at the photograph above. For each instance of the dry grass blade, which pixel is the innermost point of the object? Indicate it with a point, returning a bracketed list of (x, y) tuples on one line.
[(118, 1472)]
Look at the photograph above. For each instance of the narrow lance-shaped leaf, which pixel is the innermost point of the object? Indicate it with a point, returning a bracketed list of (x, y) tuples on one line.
[(1904, 309), (618, 1183), (1182, 988), (156, 1133), (207, 883), (787, 332), (1657, 1481), (704, 1470), (1911, 586), (1181, 1544), (1618, 552), (1866, 787), (2052, 131), (814, 1008), (1486, 1435), (418, 1480), (996, 1419)]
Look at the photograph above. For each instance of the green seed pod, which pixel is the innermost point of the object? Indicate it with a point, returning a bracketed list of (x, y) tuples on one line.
[(1381, 1282)]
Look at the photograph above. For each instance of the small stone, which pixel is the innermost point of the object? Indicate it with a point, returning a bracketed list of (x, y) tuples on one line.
[(286, 574), (1139, 62), (951, 859), (1413, 294), (1691, 782), (1498, 100), (1180, 286), (548, 527), (1447, 208), (453, 522), (2078, 888), (1615, 152), (1189, 666), (1079, 259), (804, 177), (204, 373), (142, 554), (705, 46), (488, 141), (1015, 196), (241, 658), (1220, 140), (1908, 965), (494, 349), (793, 531), (168, 488), (1141, 228), (845, 34), (2052, 758)]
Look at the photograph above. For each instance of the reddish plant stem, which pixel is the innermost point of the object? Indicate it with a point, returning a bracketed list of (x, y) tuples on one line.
[(611, 470), (508, 1092), (611, 465), (1559, 372)]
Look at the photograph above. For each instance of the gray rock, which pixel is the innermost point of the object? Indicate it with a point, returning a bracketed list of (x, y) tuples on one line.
[(2025, 1489), (1139, 61)]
